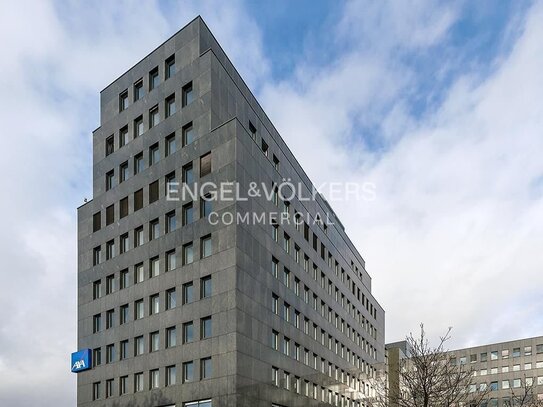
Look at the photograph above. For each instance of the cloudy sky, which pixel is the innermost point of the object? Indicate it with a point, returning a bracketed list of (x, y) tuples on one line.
[(439, 104)]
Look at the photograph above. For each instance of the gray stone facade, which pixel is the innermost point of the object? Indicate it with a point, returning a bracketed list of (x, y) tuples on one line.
[(293, 320)]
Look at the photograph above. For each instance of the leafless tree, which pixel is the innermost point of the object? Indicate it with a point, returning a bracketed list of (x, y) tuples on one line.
[(525, 395), (428, 378)]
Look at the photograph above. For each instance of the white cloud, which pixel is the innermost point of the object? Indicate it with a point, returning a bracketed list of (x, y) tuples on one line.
[(455, 233)]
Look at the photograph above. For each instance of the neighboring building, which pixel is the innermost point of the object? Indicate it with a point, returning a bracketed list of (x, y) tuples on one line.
[(181, 311), (504, 370)]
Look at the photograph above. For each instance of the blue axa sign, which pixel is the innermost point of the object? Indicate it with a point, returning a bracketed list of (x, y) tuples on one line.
[(81, 360)]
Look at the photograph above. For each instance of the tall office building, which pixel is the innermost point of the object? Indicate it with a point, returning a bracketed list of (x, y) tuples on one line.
[(507, 374), (203, 299)]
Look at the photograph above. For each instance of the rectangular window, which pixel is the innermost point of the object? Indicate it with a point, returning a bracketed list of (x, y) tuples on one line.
[(188, 174), (170, 145), (138, 200), (96, 289), (169, 70), (138, 90), (188, 254), (138, 163), (124, 243), (188, 134), (123, 100), (516, 352), (138, 346), (188, 94), (153, 192), (170, 221), (123, 318), (188, 213), (205, 246), (265, 148), (123, 171), (154, 267), (154, 379), (123, 349), (123, 136), (110, 249), (109, 180), (205, 287), (138, 273), (154, 229), (205, 164), (138, 310), (205, 327), (110, 145), (123, 383), (138, 236), (171, 375), (188, 372), (96, 221), (138, 382), (109, 388), (188, 293), (171, 262), (110, 353), (96, 323), (96, 357), (154, 154), (96, 390), (171, 298), (188, 332), (110, 284), (205, 368), (276, 162), (154, 304), (110, 214), (171, 337), (252, 130), (170, 105), (153, 79), (138, 126), (154, 341), (154, 117), (205, 206)]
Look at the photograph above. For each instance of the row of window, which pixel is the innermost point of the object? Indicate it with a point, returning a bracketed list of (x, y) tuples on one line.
[(326, 312), (506, 384), (332, 263), (154, 156), (138, 127), (154, 380), (171, 259), (506, 369), (306, 388), (494, 355), (154, 302), (138, 347)]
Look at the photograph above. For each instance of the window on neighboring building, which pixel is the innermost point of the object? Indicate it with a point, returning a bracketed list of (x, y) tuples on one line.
[(110, 145), (138, 382), (154, 379), (170, 221), (96, 255), (110, 214), (138, 163)]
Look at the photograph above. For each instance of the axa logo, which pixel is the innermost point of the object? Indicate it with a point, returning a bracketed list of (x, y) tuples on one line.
[(79, 364)]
